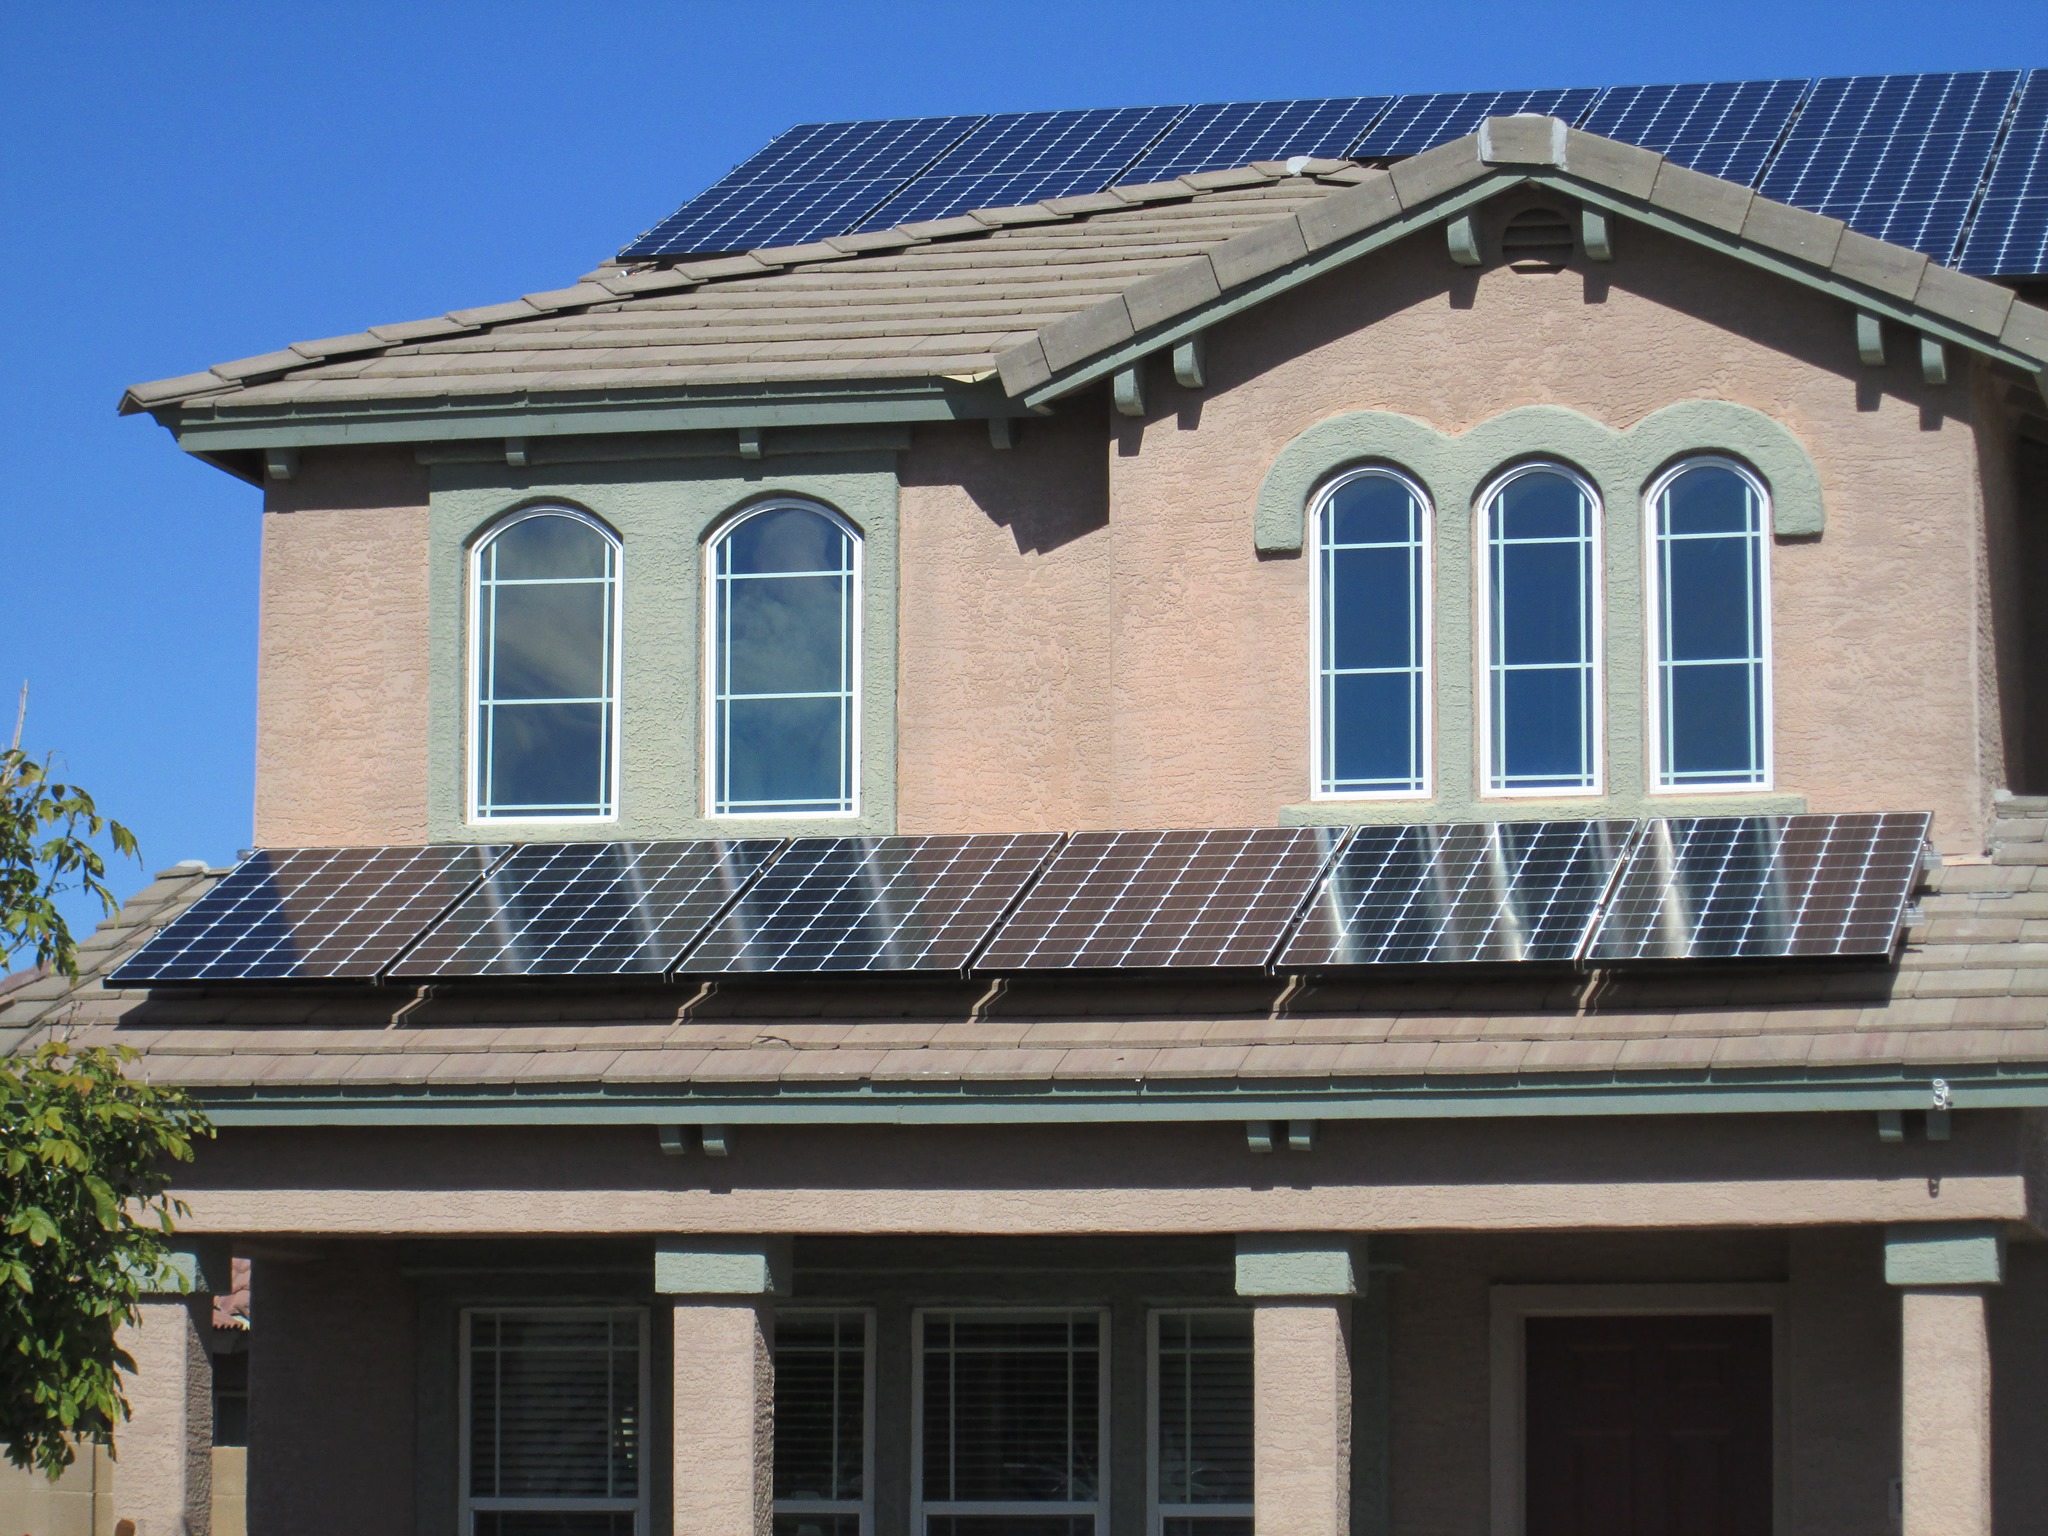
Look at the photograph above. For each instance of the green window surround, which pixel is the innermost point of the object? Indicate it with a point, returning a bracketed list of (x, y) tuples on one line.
[(1453, 471), (664, 514)]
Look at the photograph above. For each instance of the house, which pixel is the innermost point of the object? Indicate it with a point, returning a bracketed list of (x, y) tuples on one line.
[(1349, 843)]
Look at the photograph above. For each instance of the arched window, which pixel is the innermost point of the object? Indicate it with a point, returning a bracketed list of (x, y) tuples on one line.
[(784, 648), (1710, 627), (1540, 588), (544, 667), (1371, 604)]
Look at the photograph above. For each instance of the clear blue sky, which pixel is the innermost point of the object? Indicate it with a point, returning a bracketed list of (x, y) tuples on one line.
[(185, 183)]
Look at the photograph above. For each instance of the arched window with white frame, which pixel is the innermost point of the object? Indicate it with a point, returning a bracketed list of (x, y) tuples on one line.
[(1370, 599), (544, 669), (1540, 619), (783, 642), (1709, 612)]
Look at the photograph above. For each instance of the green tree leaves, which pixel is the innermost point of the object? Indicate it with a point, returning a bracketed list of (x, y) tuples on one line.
[(46, 850)]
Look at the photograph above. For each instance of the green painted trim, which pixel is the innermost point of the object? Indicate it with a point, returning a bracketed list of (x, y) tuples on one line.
[(662, 520), (1454, 471), (621, 447), (723, 1266), (1452, 1096), (1944, 1253), (1282, 1264)]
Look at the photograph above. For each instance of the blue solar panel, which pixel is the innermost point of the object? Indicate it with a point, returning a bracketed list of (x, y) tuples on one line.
[(816, 180), (1899, 157), (1726, 129), (2009, 237), (1221, 135), (1416, 123), (1023, 157)]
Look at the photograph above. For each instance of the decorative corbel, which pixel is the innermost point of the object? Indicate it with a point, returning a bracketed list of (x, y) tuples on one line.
[(1002, 431), (516, 453), (1187, 363), (1463, 236), (1127, 389), (280, 463), (1933, 361), (1869, 339), (750, 442), (1596, 233)]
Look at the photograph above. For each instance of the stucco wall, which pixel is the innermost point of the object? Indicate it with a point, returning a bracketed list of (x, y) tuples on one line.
[(341, 687), (331, 1392)]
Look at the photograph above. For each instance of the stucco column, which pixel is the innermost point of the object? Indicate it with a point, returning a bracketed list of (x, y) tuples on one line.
[(1945, 1372), (163, 1466), (724, 1380), (1301, 1381)]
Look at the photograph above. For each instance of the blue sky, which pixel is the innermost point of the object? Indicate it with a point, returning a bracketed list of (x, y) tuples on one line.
[(181, 184)]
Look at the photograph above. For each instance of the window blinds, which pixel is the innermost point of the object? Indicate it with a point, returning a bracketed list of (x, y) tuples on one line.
[(821, 1392), (1202, 1378)]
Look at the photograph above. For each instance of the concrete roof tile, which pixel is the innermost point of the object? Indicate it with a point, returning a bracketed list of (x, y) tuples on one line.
[(2026, 330), (1789, 231), (1477, 1057), (1352, 211), (243, 368), (1704, 199), (1966, 300), (1078, 337), (1627, 168), (1435, 172), (1269, 248), (1184, 286), (1890, 269), (1383, 1058)]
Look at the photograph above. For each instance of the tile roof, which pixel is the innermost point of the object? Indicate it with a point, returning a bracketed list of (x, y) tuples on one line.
[(1023, 293), (1968, 997)]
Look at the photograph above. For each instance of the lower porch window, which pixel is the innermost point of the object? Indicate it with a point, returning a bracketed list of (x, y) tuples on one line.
[(1012, 1422), (553, 1400), (823, 1396), (1202, 1423)]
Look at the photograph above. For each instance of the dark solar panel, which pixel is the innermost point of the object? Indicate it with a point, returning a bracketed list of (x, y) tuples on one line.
[(1416, 123), (873, 904), (308, 914), (588, 909), (1727, 128), (1143, 899), (1723, 887), (1221, 135), (1899, 157), (1470, 892), (816, 180), (2009, 236), (1024, 157)]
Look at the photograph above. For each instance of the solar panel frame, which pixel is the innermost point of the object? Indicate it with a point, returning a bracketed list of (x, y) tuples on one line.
[(1460, 893), (1419, 122), (588, 909), (1216, 900), (1763, 887), (2009, 235), (1015, 158), (900, 904), (1222, 135), (310, 914)]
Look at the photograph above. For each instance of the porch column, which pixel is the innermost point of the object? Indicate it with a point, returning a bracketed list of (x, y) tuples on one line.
[(1941, 1269), (163, 1470), (724, 1379), (1301, 1380)]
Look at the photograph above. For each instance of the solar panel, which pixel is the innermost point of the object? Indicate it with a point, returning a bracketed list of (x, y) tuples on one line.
[(303, 914), (1899, 157), (2009, 237), (1416, 123), (1727, 128), (1144, 899), (588, 909), (873, 904), (1722, 887), (816, 180), (1221, 135), (1023, 157), (1470, 892)]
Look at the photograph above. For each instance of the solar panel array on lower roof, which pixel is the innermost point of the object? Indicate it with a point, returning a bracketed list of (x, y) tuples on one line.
[(1748, 887), (873, 904), (588, 909), (1954, 165), (309, 914), (1139, 900), (1502, 891)]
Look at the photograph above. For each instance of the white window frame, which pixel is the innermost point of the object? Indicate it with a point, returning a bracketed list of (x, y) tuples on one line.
[(713, 732), (1156, 1513), (1653, 590), (615, 669), (1318, 596), (471, 1506), (864, 1507), (1596, 597), (919, 1509)]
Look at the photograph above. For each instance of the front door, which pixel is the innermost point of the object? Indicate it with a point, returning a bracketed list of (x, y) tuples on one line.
[(1649, 1426)]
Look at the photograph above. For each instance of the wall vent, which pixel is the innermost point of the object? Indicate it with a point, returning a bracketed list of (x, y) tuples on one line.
[(1538, 240)]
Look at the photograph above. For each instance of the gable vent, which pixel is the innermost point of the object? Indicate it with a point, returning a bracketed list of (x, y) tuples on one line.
[(1538, 240)]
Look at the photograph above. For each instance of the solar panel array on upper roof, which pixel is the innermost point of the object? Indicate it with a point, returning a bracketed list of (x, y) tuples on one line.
[(2010, 232), (1903, 157), (309, 914), (588, 909)]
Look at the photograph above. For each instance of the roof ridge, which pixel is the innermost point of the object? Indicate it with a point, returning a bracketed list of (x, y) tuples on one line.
[(610, 283)]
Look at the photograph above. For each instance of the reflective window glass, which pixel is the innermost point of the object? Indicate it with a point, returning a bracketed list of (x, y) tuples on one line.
[(1543, 671), (1372, 660), (1709, 618)]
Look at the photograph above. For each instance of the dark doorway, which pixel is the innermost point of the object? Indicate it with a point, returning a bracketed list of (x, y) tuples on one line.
[(1649, 1426)]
